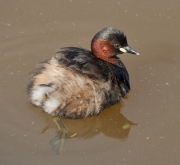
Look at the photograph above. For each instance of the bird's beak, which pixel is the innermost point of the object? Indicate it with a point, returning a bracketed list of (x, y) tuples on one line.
[(128, 49)]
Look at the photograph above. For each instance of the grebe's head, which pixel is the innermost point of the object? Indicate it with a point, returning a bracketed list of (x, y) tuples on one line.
[(109, 42)]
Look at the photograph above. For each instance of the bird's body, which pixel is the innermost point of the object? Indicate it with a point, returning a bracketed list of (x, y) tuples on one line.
[(77, 83)]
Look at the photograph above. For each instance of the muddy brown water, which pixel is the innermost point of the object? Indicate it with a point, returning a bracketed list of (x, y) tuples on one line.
[(144, 129)]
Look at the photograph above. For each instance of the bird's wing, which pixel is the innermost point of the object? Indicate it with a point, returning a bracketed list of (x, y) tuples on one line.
[(82, 61)]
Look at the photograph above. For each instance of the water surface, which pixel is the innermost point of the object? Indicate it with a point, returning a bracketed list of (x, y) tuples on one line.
[(144, 129)]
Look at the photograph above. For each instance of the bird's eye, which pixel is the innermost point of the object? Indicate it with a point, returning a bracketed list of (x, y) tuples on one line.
[(116, 45)]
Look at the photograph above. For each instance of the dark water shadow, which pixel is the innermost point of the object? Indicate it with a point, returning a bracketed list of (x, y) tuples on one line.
[(111, 122)]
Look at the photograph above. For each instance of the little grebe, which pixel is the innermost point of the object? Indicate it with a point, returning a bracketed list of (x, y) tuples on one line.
[(77, 83)]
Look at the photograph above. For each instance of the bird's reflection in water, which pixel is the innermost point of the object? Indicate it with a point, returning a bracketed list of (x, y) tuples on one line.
[(110, 122)]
